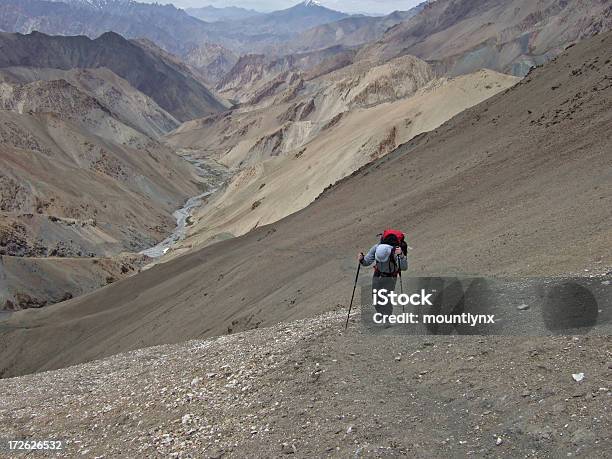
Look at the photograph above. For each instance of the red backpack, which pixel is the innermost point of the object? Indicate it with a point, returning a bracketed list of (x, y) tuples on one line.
[(394, 238)]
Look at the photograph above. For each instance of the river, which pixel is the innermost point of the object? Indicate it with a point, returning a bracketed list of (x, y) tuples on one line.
[(213, 175)]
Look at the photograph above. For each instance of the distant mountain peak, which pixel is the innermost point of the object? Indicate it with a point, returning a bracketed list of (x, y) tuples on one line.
[(97, 4), (310, 6)]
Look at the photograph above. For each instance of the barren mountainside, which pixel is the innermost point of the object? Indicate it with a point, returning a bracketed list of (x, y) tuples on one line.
[(212, 60), (253, 72), (485, 193), (509, 36), (351, 31), (169, 84), (129, 105), (454, 36), (66, 158), (81, 177), (322, 138)]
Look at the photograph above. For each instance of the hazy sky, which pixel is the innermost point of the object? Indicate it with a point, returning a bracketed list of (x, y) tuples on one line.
[(349, 6)]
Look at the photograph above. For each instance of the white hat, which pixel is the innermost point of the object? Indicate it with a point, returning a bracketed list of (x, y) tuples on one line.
[(383, 251)]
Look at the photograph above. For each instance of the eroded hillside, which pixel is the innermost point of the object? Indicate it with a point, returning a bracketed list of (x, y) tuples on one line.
[(147, 68), (290, 145), (509, 36), (83, 177), (78, 175)]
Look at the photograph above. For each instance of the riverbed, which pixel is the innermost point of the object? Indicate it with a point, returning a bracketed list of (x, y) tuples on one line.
[(214, 176)]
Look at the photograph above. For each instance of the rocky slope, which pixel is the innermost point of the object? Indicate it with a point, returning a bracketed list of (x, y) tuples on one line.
[(254, 73), (36, 282), (170, 84), (212, 61), (81, 177), (454, 36), (310, 389), (517, 185), (67, 133), (508, 36), (128, 105)]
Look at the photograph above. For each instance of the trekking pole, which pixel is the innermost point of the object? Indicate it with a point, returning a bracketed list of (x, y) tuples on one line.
[(353, 295)]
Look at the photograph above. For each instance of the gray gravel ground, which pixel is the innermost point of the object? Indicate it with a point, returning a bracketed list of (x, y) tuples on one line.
[(309, 389)]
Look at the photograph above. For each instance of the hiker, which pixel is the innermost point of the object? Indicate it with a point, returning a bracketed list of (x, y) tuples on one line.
[(390, 258)]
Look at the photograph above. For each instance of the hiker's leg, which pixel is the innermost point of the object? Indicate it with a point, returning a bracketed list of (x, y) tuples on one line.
[(378, 284), (383, 283), (388, 284)]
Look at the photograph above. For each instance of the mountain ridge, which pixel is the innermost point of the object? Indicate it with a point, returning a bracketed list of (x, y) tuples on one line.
[(169, 27), (510, 36), (166, 25), (211, 13), (351, 31), (173, 87)]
